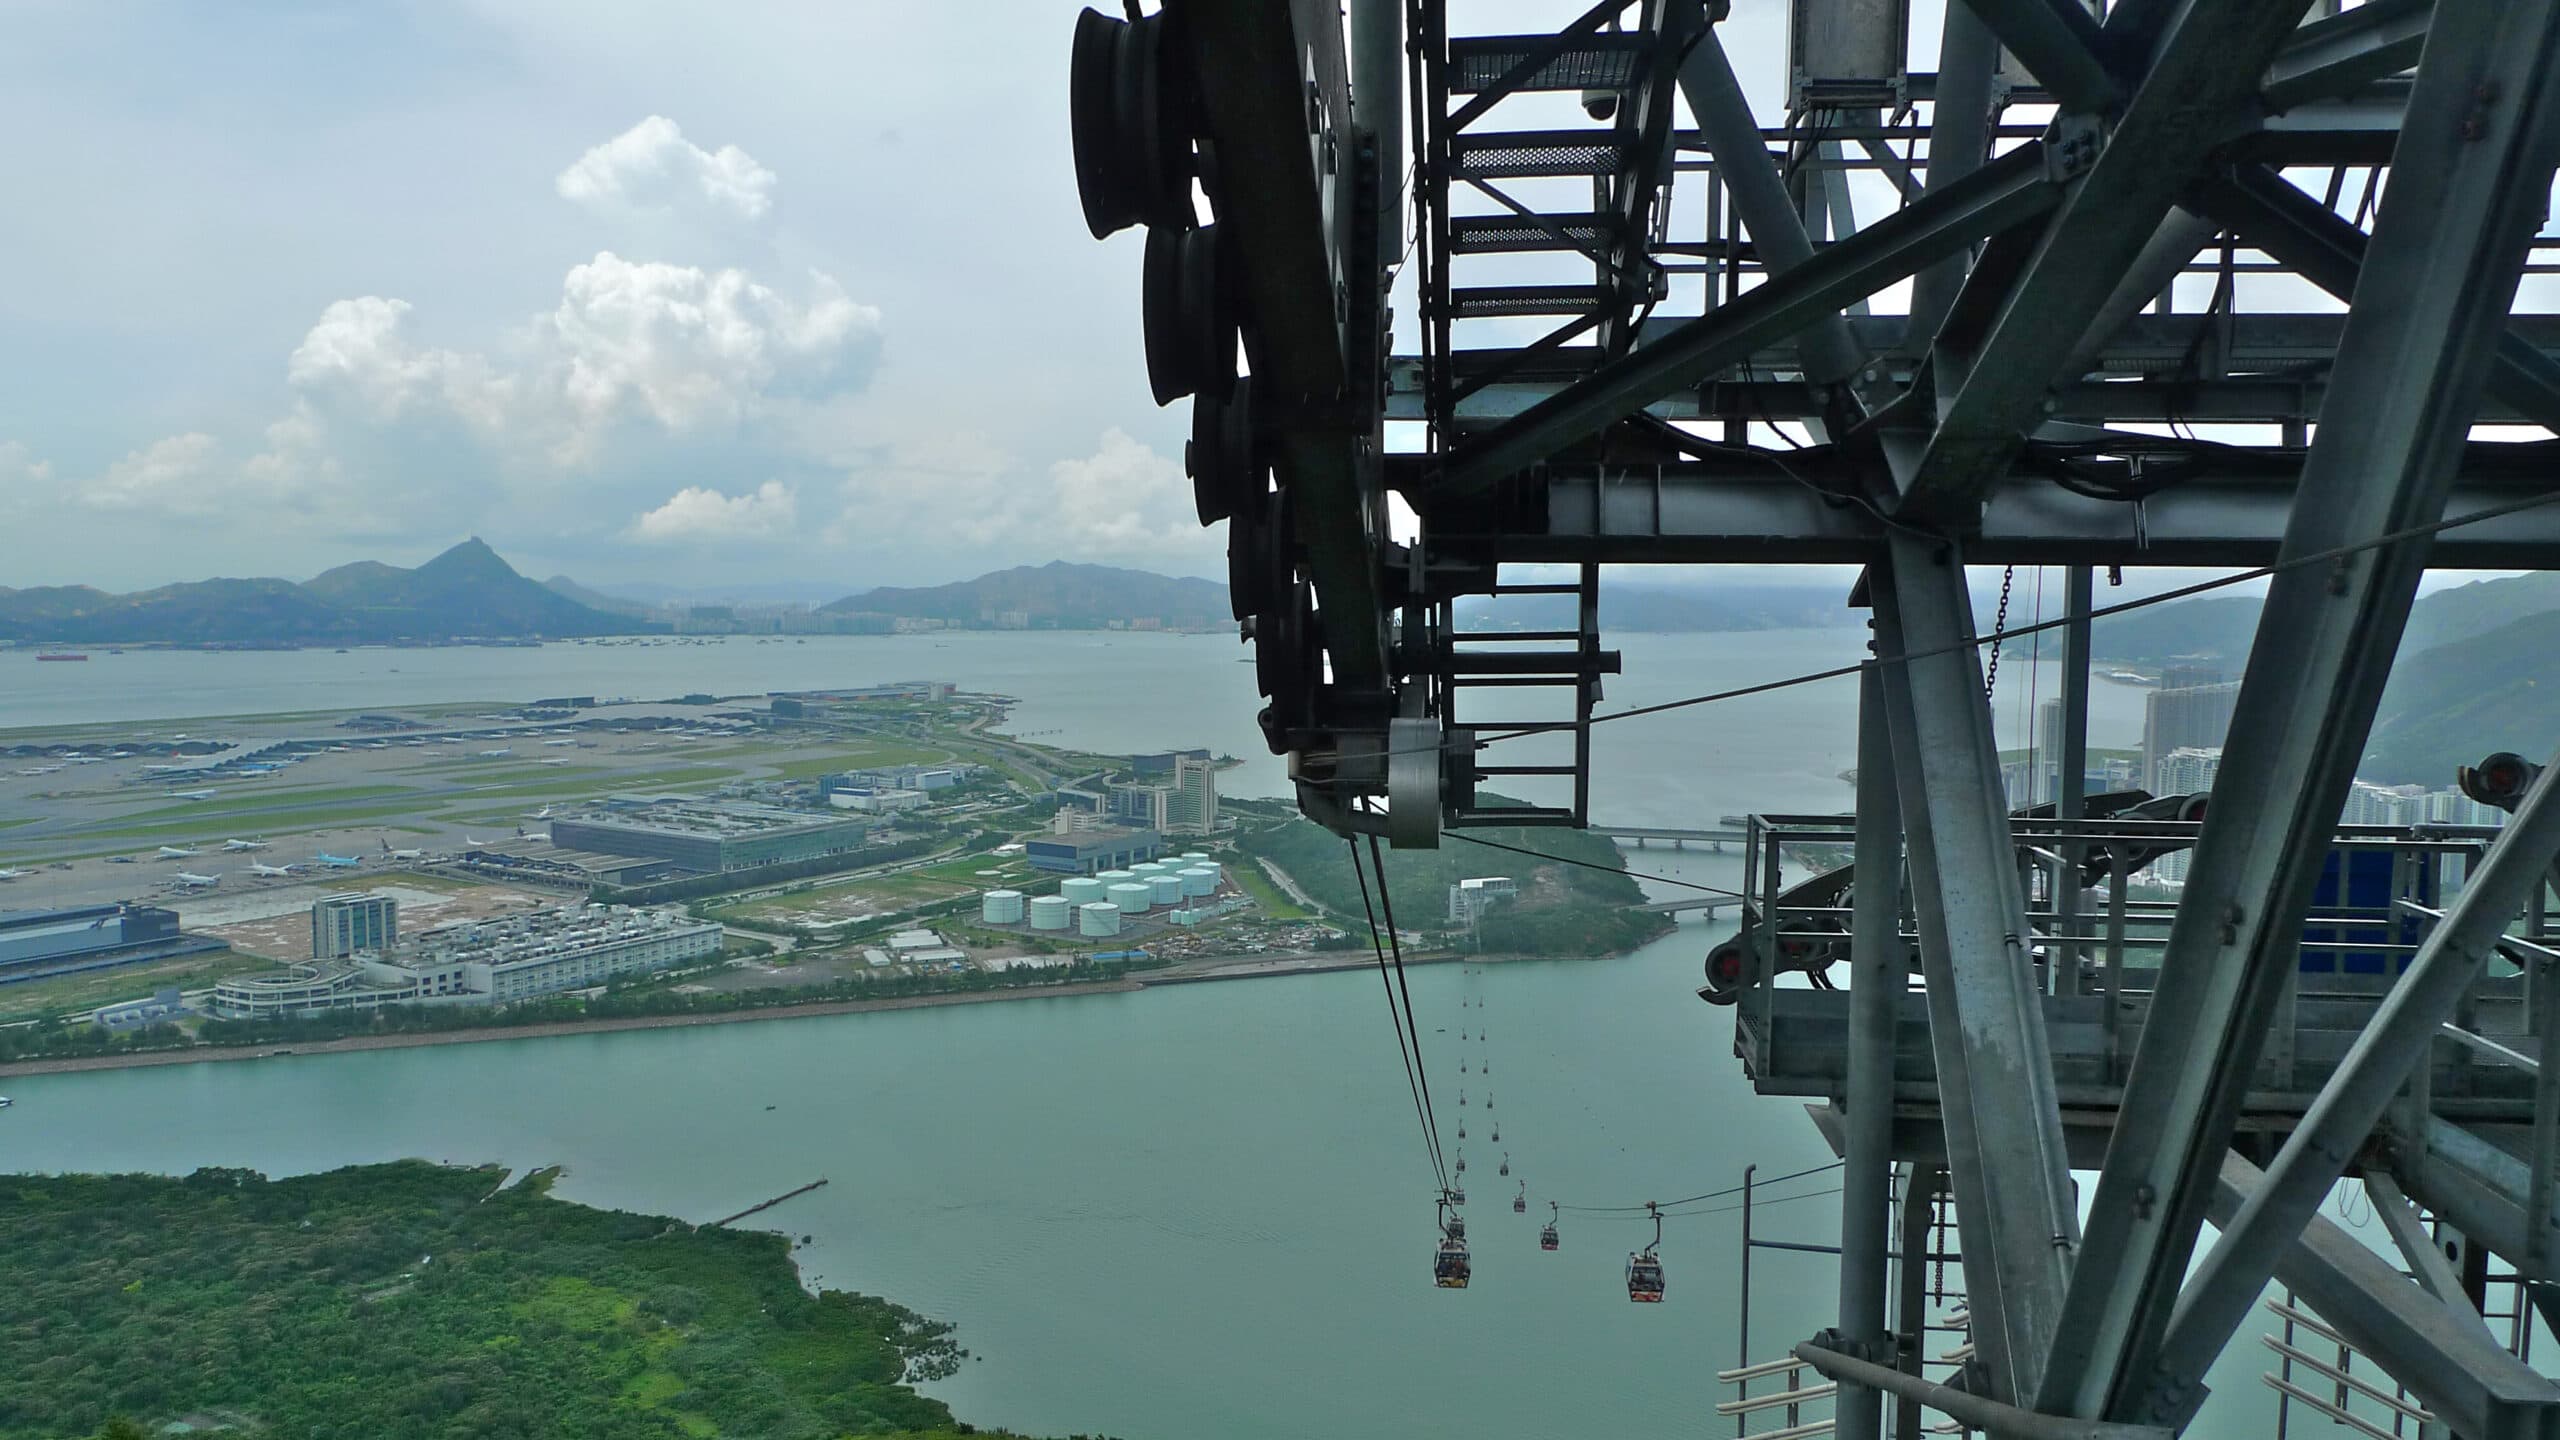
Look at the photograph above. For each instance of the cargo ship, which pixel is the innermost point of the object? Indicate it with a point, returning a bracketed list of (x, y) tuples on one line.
[(61, 655)]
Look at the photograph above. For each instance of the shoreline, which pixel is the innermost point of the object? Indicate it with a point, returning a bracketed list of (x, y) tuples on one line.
[(1195, 973)]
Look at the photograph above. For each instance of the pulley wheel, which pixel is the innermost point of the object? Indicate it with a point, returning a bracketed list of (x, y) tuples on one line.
[(1226, 471), (1287, 656), (1190, 326), (1245, 588), (1128, 99)]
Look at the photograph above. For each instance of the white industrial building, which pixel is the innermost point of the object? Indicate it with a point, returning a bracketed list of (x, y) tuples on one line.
[(480, 962)]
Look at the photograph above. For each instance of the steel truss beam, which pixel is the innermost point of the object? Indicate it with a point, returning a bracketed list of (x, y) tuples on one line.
[(2468, 187), (2009, 190), (1759, 195), (2207, 64), (1879, 977), (2324, 247), (1986, 1021), (2058, 42), (2448, 1362), (2399, 1037), (1745, 511)]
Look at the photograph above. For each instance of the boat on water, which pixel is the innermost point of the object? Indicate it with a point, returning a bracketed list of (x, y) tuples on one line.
[(60, 655), (4, 1102)]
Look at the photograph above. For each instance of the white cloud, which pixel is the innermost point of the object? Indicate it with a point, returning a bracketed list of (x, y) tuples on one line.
[(651, 166), (20, 469), (687, 346), (173, 476), (699, 512), (1125, 499), (359, 350), (1124, 502), (678, 345)]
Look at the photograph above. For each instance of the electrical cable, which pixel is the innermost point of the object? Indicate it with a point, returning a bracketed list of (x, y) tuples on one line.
[(1755, 1184), (1430, 1133), (1395, 945)]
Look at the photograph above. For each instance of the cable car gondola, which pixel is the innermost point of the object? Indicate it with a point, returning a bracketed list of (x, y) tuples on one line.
[(1450, 1266), (1644, 1267), (1462, 1164), (1520, 1202), (1547, 1237), (1506, 1164)]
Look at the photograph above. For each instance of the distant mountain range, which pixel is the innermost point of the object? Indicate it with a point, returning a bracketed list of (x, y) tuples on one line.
[(1055, 596), (1669, 609), (465, 592), (2479, 670)]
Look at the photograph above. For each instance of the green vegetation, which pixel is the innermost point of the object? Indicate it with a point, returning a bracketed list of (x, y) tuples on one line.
[(408, 1299), (89, 989), (1578, 904), (1273, 901)]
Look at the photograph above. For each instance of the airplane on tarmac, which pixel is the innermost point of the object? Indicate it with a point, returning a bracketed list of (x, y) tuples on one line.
[(177, 852), (8, 874), (244, 844), (272, 872), (337, 862), (193, 794), (197, 882), (542, 814), (401, 854)]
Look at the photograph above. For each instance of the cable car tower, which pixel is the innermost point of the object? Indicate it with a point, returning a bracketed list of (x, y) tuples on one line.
[(2157, 283)]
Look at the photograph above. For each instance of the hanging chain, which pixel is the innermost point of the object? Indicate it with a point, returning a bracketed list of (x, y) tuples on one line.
[(1999, 623)]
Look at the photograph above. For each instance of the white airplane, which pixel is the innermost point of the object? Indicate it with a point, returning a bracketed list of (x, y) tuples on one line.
[(177, 852), (559, 742), (554, 762), (198, 882), (8, 874), (193, 794), (542, 814), (272, 872), (244, 844), (473, 842), (85, 759), (400, 854), (494, 754)]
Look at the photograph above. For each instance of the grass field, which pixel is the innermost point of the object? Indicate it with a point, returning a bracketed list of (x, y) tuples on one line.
[(243, 803), (68, 994)]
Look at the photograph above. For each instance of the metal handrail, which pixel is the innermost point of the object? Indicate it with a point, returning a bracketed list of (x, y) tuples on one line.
[(1783, 1365), (1776, 1398), (2334, 1411), (2329, 1370)]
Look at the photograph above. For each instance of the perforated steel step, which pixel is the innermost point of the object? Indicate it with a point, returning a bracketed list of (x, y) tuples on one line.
[(1488, 300), (1594, 62), (1491, 234), (1535, 152)]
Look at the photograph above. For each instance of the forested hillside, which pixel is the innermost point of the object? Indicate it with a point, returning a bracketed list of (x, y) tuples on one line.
[(414, 1300)]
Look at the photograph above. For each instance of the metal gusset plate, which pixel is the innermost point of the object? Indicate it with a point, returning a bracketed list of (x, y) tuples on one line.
[(1128, 93)]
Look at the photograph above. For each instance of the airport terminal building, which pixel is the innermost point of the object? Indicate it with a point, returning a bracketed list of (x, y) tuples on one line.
[(512, 957), (709, 838)]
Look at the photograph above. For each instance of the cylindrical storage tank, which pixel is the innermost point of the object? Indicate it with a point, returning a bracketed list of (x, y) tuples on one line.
[(1110, 878), (1147, 869), (1193, 857), (1049, 912), (1080, 890), (1099, 918), (1165, 889), (1133, 898), (1001, 907), (1217, 872), (1199, 880)]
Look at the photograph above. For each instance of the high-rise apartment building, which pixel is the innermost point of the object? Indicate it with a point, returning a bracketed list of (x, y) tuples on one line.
[(1194, 807), (2196, 717)]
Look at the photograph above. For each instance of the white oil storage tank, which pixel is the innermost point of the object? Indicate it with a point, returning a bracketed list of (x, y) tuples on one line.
[(1110, 878), (1199, 880), (1193, 857), (1147, 869), (1050, 912), (1081, 890), (1133, 897), (1001, 907), (1100, 918), (1164, 889)]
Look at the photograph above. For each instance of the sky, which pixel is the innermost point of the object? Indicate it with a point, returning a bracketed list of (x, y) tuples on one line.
[(688, 293), (788, 298)]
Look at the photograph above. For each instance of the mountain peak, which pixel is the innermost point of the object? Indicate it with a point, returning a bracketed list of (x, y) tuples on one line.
[(472, 556)]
